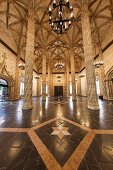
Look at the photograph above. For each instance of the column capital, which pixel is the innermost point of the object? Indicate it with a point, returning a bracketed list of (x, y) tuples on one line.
[(84, 8), (31, 14)]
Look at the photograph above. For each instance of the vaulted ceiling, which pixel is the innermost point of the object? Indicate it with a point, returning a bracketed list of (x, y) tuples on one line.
[(14, 14)]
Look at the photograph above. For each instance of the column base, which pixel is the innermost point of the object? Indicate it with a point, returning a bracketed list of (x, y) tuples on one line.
[(93, 107), (74, 99), (43, 98), (17, 98), (26, 107)]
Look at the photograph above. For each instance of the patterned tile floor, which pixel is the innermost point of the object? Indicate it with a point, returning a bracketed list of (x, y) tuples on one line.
[(56, 134)]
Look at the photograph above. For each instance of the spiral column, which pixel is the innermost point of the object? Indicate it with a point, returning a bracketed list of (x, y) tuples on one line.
[(17, 79), (49, 79), (73, 74), (44, 75), (89, 58), (68, 81), (27, 103)]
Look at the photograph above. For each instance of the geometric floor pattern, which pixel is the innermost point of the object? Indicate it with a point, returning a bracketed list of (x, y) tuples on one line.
[(78, 152), (61, 143), (60, 131), (99, 154), (58, 143), (17, 152), (77, 159)]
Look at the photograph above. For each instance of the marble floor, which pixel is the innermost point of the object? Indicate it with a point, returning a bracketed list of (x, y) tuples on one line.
[(56, 134)]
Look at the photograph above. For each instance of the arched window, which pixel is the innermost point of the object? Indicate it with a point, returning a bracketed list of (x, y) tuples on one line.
[(97, 86), (3, 82), (3, 90)]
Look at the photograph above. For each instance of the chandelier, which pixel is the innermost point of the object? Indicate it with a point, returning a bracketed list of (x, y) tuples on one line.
[(61, 16), (21, 66), (59, 65), (98, 64)]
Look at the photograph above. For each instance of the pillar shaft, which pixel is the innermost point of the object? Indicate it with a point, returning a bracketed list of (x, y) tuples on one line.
[(79, 86), (68, 80), (65, 84), (17, 79), (49, 80), (73, 74), (27, 103), (44, 76), (51, 85), (88, 54), (102, 77)]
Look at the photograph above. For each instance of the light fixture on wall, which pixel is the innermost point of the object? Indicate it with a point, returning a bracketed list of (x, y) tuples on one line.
[(98, 64), (37, 77), (59, 76), (21, 66), (61, 16), (82, 75), (58, 81), (59, 65)]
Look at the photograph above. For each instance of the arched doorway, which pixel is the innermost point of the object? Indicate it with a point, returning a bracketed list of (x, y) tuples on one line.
[(10, 84), (109, 84), (3, 90), (98, 86)]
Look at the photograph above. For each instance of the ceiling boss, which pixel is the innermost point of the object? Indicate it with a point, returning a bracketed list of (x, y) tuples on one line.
[(61, 16)]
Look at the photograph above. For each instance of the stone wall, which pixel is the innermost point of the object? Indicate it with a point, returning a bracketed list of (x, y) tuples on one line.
[(11, 66), (10, 60), (7, 37), (108, 59)]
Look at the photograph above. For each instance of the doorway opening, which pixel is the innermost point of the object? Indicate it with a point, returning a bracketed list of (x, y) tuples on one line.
[(3, 90), (22, 87), (58, 91), (97, 86)]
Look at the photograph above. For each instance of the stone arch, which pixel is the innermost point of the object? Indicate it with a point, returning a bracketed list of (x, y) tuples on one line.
[(11, 84), (109, 83)]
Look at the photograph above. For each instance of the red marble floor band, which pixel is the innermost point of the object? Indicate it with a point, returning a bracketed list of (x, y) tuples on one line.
[(45, 123), (46, 156), (78, 155), (14, 129), (103, 131), (76, 124)]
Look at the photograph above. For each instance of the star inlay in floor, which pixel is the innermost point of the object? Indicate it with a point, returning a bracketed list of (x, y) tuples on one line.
[(61, 138), (60, 131)]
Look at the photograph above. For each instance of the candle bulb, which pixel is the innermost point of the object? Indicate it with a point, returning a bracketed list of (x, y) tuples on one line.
[(69, 23), (50, 8), (54, 4), (65, 26), (52, 25), (67, 3), (71, 14)]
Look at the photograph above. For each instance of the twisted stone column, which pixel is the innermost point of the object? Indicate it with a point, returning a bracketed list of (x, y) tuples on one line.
[(17, 79), (49, 79), (79, 86), (102, 77), (27, 103), (73, 74), (51, 85), (44, 76), (88, 54), (65, 84), (68, 80)]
